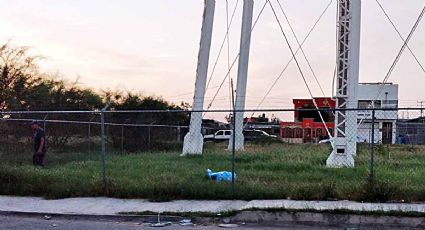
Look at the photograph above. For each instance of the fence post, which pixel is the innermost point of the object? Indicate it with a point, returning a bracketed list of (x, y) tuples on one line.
[(89, 132), (372, 147), (102, 130), (46, 143), (178, 134), (149, 137), (44, 123), (89, 137), (122, 138), (233, 141)]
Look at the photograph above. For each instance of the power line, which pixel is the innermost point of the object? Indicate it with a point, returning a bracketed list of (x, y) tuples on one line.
[(302, 50), (190, 93), (296, 52), (387, 76), (228, 54), (229, 24), (399, 34), (298, 66), (236, 58)]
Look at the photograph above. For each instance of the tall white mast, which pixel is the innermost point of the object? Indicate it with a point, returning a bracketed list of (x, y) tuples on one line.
[(345, 138), (245, 44), (193, 141)]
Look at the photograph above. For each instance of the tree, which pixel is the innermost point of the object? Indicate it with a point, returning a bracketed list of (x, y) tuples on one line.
[(144, 137), (24, 86), (17, 71)]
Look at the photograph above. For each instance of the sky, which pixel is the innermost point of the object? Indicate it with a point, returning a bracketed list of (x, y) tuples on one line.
[(152, 46)]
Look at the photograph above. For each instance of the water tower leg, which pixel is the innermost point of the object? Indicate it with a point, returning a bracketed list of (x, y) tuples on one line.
[(194, 141), (245, 44)]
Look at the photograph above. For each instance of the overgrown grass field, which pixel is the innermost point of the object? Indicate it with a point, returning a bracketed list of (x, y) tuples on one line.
[(274, 171)]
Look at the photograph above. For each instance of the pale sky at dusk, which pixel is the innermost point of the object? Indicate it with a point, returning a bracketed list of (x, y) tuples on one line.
[(152, 46)]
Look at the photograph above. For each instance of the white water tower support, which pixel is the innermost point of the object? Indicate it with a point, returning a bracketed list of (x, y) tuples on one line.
[(194, 141), (344, 142), (245, 43)]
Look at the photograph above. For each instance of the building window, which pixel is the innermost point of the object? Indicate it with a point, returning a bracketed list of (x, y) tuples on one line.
[(298, 133), (319, 132), (367, 104), (287, 133), (390, 104)]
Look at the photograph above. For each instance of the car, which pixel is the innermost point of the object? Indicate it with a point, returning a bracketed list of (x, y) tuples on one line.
[(257, 135), (359, 140), (249, 135)]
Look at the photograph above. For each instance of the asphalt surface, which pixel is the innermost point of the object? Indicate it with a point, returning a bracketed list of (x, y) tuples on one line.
[(13, 222)]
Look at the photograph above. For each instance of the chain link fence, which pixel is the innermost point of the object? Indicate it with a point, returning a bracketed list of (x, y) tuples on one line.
[(284, 155)]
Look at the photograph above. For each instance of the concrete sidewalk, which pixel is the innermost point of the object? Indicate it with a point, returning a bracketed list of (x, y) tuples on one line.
[(111, 206)]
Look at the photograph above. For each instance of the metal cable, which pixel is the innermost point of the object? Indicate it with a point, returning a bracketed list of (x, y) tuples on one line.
[(292, 58), (302, 50), (223, 43), (228, 53), (387, 76), (299, 67), (236, 58), (399, 34)]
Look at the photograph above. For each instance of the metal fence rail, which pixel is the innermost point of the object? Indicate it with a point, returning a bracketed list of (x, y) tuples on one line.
[(382, 133)]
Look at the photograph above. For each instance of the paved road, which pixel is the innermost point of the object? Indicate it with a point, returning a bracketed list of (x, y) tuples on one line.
[(10, 222)]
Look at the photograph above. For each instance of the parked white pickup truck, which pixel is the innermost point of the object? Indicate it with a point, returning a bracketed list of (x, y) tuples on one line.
[(221, 135)]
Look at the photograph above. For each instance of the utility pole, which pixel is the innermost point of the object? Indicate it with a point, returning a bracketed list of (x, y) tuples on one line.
[(194, 141), (344, 143)]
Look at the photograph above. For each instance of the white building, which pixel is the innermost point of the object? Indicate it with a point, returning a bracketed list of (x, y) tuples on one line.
[(385, 96)]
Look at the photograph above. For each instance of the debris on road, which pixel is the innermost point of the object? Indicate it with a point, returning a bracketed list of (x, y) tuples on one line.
[(159, 225), (186, 222), (228, 225)]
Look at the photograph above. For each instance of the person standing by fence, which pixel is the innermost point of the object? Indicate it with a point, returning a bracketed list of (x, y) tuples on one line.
[(39, 143)]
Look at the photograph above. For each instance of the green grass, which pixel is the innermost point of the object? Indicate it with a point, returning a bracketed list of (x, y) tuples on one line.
[(275, 171)]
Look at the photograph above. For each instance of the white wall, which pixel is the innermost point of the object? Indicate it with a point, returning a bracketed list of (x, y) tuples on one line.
[(382, 93), (364, 132), (370, 92)]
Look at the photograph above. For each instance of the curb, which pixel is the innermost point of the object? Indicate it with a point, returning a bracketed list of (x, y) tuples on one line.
[(329, 219), (118, 217), (266, 218)]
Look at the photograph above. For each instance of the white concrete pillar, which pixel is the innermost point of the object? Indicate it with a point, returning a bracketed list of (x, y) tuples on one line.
[(245, 44), (194, 141)]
